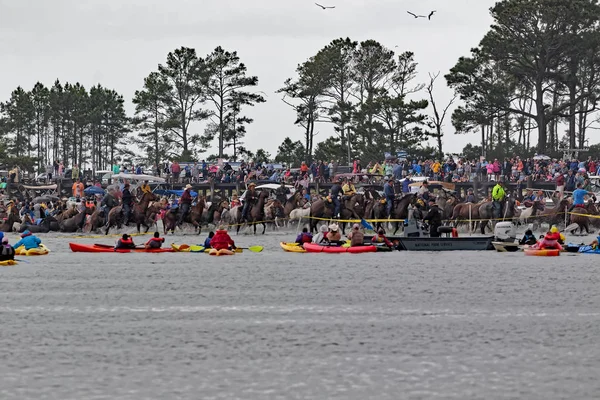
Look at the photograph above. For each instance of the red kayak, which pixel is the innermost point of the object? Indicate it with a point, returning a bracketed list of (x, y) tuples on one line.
[(316, 248), (105, 248)]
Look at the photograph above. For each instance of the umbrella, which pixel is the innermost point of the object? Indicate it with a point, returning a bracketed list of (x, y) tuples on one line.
[(91, 190), (541, 157)]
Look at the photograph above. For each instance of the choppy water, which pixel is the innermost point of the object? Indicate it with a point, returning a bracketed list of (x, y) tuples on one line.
[(282, 326)]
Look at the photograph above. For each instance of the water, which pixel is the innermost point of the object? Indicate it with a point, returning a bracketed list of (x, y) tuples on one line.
[(284, 326)]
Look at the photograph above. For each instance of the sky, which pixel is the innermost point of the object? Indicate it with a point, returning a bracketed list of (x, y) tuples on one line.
[(119, 42)]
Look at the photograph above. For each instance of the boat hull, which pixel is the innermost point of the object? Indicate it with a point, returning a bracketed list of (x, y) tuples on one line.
[(315, 248), (91, 248), (542, 252), (445, 243)]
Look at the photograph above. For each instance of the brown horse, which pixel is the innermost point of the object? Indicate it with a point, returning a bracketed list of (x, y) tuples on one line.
[(556, 214), (295, 201), (256, 214), (194, 217), (142, 214), (320, 209), (72, 224), (400, 208), (354, 208), (274, 210), (66, 214), (578, 217), (7, 226)]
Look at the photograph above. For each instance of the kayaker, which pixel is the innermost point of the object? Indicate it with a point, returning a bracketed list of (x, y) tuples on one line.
[(211, 234), (334, 235), (304, 237), (528, 238), (321, 237), (357, 238), (125, 242), (155, 242), (434, 216), (380, 238), (222, 240), (8, 252), (550, 240), (28, 240), (595, 242)]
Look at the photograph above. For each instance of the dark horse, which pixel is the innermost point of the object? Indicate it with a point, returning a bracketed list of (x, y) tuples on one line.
[(320, 209), (256, 214), (7, 226), (194, 217), (45, 226), (73, 223), (400, 209), (142, 214)]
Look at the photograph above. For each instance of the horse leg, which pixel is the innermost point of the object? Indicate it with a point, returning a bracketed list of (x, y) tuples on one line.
[(264, 227)]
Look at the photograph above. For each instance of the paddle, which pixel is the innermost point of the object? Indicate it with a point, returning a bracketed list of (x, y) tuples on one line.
[(254, 249)]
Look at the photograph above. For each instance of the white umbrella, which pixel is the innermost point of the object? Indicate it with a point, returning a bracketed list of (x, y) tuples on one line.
[(541, 157)]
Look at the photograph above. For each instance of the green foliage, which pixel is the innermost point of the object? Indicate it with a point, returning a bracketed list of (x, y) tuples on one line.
[(290, 153)]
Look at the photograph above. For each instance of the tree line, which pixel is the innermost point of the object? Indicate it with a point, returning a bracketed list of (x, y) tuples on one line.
[(531, 85)]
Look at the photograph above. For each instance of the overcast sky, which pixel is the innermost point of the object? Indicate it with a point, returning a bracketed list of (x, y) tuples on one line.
[(118, 42)]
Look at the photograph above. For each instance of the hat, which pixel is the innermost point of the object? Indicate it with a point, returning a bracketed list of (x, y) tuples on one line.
[(554, 229), (25, 233), (334, 228), (126, 236), (251, 184), (356, 226), (188, 186), (323, 229)]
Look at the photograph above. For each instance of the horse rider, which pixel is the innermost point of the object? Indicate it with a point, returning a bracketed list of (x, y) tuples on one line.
[(249, 199), (424, 191), (127, 201), (145, 188), (388, 191), (470, 196), (108, 202), (282, 192), (434, 216), (336, 189), (498, 196), (348, 188), (579, 197), (185, 203)]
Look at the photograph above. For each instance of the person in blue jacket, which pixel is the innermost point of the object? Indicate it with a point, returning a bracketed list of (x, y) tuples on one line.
[(208, 239), (28, 240)]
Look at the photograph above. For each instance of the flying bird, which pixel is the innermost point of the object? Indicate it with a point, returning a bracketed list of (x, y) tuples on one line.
[(324, 7), (416, 16), (431, 14)]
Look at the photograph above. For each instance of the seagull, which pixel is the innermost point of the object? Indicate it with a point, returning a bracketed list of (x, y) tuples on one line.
[(416, 16), (323, 7), (431, 14)]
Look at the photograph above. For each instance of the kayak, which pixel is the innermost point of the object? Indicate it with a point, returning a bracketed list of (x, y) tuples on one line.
[(8, 262), (38, 251), (105, 248), (589, 250), (292, 247), (316, 248), (222, 252), (187, 248), (542, 252)]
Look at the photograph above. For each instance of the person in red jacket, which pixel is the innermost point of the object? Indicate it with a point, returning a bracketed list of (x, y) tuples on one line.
[(550, 240), (155, 242), (126, 242), (222, 240)]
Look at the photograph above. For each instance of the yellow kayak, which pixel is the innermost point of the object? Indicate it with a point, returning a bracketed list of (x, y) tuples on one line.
[(187, 248), (38, 251), (222, 252), (8, 262), (292, 247)]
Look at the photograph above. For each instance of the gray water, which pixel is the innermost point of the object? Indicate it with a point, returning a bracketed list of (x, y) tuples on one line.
[(274, 325)]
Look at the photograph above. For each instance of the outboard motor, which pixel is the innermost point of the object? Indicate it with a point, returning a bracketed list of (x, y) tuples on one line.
[(505, 232)]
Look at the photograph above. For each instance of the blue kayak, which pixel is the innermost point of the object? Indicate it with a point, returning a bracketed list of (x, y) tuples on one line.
[(589, 250)]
